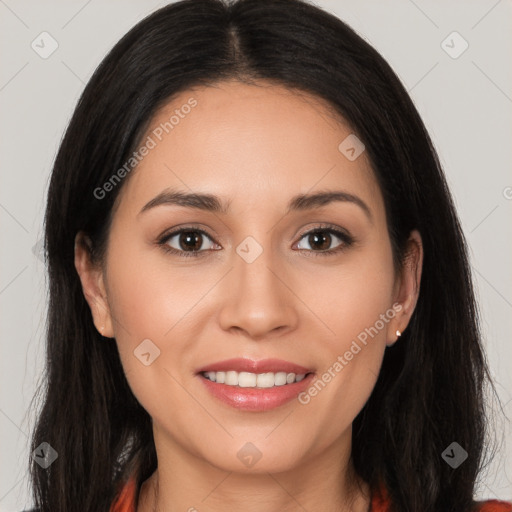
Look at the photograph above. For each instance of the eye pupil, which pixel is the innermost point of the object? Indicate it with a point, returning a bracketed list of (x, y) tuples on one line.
[(187, 237), (320, 236)]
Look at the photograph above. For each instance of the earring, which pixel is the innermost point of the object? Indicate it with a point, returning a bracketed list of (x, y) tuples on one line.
[(398, 333)]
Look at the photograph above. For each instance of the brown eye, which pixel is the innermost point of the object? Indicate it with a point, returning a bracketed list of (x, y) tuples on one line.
[(190, 240), (320, 240), (186, 242)]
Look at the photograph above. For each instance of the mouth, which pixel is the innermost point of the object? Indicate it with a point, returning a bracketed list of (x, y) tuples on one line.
[(254, 380), (255, 385)]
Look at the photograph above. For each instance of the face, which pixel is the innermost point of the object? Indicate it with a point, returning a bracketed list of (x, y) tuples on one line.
[(265, 275)]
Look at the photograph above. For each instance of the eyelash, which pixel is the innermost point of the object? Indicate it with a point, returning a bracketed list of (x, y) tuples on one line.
[(346, 239)]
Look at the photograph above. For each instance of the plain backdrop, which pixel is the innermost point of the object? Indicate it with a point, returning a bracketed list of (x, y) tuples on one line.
[(465, 101)]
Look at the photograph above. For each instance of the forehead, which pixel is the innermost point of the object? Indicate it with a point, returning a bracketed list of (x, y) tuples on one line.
[(248, 143)]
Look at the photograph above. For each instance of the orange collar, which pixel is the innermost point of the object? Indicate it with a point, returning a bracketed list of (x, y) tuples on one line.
[(380, 501), (126, 500)]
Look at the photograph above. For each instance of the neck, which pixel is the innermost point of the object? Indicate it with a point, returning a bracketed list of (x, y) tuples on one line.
[(185, 483)]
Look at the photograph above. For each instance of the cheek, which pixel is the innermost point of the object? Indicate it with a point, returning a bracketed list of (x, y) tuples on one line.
[(149, 308), (149, 293), (357, 308), (351, 296), (153, 343)]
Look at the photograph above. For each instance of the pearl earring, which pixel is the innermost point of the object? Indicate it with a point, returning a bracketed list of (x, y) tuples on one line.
[(398, 333)]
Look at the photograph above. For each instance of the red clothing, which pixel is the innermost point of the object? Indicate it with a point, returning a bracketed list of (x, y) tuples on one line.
[(380, 502)]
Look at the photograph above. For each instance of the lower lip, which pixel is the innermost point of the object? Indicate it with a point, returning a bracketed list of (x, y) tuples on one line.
[(256, 399)]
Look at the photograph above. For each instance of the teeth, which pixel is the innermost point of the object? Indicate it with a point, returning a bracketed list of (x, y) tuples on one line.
[(252, 380), (231, 379)]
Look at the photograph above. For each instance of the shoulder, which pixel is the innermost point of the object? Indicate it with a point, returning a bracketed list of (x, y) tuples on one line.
[(493, 506), (381, 502)]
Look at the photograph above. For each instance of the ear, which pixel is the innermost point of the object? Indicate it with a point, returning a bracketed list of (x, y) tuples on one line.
[(407, 288), (93, 286)]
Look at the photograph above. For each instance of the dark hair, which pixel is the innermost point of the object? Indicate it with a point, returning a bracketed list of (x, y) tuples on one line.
[(430, 389)]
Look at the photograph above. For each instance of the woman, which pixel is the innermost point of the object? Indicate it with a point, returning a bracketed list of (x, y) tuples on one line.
[(260, 296)]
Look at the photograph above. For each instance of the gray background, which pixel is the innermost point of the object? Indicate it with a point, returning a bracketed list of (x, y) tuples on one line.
[(466, 103)]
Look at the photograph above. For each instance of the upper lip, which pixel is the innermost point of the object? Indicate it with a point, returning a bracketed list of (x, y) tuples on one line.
[(241, 364)]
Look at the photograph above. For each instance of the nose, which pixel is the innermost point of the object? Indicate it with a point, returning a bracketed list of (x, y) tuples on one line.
[(258, 299)]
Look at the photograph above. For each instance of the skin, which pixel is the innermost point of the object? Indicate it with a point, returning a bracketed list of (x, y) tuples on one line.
[(257, 146)]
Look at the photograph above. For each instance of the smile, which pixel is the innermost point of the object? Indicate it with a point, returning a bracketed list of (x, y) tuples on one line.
[(253, 380)]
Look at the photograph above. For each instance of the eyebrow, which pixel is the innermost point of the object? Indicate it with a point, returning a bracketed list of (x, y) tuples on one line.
[(213, 203)]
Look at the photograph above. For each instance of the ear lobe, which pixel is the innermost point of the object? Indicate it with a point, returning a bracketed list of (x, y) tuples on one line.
[(409, 288), (93, 286)]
